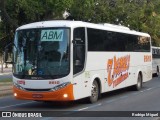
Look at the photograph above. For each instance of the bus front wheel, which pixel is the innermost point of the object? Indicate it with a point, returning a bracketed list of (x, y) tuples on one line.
[(94, 92)]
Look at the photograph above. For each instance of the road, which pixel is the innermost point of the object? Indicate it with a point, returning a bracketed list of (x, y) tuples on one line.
[(147, 99), (5, 76)]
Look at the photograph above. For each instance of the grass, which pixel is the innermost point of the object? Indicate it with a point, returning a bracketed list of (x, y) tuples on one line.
[(6, 80)]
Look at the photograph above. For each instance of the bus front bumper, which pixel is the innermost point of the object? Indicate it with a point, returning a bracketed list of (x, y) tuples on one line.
[(64, 94)]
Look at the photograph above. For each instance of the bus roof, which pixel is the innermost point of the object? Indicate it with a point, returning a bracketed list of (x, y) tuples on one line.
[(72, 24)]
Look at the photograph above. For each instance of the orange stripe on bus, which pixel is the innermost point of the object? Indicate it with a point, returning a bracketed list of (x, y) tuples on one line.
[(46, 96)]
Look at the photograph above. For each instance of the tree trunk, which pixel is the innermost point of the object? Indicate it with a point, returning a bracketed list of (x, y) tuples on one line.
[(5, 16)]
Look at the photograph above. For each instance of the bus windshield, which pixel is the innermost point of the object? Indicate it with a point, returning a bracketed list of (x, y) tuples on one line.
[(41, 52)]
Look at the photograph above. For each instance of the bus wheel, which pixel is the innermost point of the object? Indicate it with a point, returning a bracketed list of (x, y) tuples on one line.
[(94, 92), (138, 86)]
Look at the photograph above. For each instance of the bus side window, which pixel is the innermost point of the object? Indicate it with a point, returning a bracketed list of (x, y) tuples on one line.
[(79, 50)]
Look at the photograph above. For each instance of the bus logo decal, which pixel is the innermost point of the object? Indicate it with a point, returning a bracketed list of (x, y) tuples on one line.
[(147, 58), (117, 69), (21, 82)]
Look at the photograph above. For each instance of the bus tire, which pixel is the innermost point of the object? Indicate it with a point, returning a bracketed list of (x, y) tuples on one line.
[(138, 86), (94, 92), (157, 72)]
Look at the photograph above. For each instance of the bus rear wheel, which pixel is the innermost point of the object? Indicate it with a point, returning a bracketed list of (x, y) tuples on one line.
[(157, 73), (94, 92), (138, 86)]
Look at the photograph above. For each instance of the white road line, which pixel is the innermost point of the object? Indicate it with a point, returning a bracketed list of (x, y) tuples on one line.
[(95, 105), (149, 89), (143, 91), (83, 109), (89, 107), (16, 105)]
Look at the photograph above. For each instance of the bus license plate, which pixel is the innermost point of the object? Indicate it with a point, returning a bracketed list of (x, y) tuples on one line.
[(37, 95)]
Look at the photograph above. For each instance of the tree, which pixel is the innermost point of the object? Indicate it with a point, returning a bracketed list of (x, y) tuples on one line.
[(6, 18), (140, 15)]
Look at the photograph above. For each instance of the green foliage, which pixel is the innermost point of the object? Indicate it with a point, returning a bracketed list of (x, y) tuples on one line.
[(140, 15), (26, 11)]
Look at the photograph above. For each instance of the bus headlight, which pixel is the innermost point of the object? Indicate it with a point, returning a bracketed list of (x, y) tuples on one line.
[(60, 86), (15, 94), (18, 86)]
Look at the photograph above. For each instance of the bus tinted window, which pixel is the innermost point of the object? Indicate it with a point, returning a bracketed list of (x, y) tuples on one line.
[(79, 50), (155, 52), (95, 40), (101, 40)]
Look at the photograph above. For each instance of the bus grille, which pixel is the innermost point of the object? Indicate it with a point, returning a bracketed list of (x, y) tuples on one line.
[(37, 90)]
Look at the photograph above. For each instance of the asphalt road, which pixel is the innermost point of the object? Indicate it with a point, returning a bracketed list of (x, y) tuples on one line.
[(7, 76), (147, 99)]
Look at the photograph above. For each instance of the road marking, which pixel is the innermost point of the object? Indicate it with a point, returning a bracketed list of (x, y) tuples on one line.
[(16, 105), (95, 105), (149, 89), (143, 91), (83, 108), (89, 107)]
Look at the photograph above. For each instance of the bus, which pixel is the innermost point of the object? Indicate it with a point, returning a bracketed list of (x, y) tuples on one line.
[(64, 60), (155, 61)]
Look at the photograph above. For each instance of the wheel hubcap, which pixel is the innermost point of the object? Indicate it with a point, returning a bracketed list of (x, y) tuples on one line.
[(94, 91)]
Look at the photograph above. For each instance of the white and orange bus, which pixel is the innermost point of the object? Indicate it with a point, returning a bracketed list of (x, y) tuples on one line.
[(156, 60), (70, 60)]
